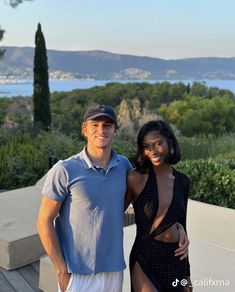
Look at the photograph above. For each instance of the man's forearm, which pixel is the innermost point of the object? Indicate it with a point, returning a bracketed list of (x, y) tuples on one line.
[(51, 245)]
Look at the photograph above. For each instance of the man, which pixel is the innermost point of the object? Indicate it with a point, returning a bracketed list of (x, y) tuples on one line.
[(84, 194)]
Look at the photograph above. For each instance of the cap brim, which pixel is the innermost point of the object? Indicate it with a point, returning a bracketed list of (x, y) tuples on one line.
[(101, 115)]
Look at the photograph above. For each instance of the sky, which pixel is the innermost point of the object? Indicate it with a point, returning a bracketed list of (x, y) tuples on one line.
[(168, 29)]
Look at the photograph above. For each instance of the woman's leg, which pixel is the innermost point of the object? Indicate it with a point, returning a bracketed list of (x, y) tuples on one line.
[(140, 281)]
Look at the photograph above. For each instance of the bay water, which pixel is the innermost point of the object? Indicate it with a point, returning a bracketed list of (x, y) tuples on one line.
[(25, 87)]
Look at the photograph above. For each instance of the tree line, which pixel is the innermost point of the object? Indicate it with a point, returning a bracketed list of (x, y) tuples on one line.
[(193, 110)]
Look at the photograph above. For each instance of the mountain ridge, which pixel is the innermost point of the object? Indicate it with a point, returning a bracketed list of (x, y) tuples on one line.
[(98, 64)]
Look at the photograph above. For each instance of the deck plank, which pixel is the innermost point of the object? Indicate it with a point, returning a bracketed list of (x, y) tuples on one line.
[(16, 280), (35, 266), (5, 285), (30, 276)]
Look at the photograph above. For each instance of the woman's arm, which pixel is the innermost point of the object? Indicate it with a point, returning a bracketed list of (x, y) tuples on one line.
[(129, 195), (134, 182)]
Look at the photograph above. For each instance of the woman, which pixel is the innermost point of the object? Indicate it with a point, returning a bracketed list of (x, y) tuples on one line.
[(159, 195)]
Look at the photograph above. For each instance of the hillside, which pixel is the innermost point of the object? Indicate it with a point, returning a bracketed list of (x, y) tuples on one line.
[(18, 62)]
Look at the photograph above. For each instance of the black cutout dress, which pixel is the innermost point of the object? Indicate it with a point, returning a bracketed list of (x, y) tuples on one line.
[(155, 257)]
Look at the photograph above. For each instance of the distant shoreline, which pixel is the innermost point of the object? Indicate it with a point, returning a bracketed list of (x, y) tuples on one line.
[(16, 80), (24, 87)]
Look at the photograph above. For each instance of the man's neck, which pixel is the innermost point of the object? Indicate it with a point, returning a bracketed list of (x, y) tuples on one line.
[(100, 156)]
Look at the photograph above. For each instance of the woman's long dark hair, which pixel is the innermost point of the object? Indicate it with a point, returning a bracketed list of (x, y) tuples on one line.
[(142, 163)]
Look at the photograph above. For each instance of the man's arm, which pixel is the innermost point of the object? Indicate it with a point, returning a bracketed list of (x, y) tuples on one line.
[(47, 213), (182, 251)]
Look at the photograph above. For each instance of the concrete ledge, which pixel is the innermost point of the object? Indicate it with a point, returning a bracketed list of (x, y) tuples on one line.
[(47, 275), (211, 223), (212, 267), (19, 241)]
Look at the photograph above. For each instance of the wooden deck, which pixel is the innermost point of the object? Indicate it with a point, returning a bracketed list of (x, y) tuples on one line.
[(24, 279)]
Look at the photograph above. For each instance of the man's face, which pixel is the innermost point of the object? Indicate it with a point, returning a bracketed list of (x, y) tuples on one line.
[(99, 132)]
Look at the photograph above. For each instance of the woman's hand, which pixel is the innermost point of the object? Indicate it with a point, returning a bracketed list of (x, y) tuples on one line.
[(182, 251)]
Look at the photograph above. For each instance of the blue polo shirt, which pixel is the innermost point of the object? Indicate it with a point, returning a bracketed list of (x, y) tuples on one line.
[(90, 221)]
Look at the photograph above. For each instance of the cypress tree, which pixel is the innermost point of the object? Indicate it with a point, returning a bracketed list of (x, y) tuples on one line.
[(1, 37), (41, 94)]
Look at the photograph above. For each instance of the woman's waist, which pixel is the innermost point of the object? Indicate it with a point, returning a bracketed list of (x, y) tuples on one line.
[(169, 235), (153, 248)]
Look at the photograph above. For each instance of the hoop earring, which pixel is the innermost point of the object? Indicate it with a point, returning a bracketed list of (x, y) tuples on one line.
[(171, 150)]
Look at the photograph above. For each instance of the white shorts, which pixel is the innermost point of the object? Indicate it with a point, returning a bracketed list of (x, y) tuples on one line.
[(102, 282)]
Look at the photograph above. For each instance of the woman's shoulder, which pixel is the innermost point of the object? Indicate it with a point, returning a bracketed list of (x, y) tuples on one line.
[(135, 182), (134, 174), (135, 177)]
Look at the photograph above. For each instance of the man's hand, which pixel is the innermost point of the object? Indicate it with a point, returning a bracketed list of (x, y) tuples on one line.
[(182, 251), (63, 280)]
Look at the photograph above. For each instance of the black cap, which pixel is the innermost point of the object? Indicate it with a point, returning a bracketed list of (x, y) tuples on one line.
[(100, 110)]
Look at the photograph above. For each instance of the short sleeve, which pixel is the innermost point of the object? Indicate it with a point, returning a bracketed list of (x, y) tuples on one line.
[(55, 186)]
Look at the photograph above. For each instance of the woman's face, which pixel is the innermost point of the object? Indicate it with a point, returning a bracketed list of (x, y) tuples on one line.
[(155, 147)]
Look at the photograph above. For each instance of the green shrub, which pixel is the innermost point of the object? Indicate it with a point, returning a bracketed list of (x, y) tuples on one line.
[(125, 147), (212, 180), (24, 160), (204, 147)]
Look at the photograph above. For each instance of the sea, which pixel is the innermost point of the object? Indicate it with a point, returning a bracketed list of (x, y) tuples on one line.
[(25, 87)]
